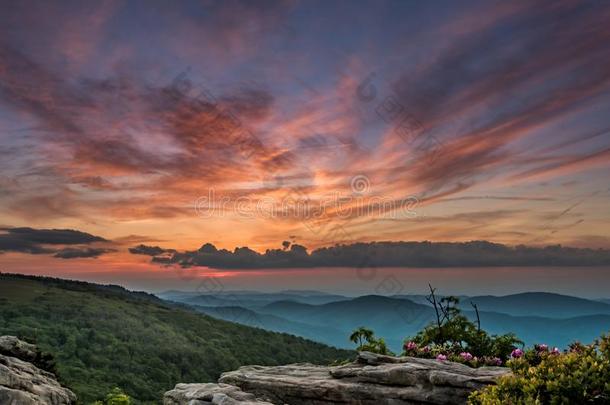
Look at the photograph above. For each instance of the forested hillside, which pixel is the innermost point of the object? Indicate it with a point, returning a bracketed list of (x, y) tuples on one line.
[(106, 336)]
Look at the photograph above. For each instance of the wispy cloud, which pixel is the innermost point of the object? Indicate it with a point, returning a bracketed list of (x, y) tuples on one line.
[(102, 130)]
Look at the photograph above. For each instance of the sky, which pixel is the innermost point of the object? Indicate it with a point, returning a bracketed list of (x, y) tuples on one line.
[(243, 123)]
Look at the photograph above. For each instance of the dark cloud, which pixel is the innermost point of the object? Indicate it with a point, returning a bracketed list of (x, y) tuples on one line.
[(74, 253), (9, 243), (148, 250), (46, 241), (52, 236), (389, 254)]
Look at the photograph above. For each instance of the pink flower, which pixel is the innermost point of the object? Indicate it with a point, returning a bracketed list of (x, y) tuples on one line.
[(496, 361), (555, 351), (425, 349), (515, 354), (441, 357), (409, 346), (466, 356), (541, 347)]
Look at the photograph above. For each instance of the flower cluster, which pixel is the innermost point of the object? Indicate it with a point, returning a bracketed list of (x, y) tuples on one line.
[(541, 348), (449, 353), (410, 346), (466, 356), (516, 353), (496, 361), (539, 352)]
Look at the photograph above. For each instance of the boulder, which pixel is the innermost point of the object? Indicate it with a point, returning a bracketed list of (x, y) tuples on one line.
[(11, 346), (217, 394), (22, 383), (370, 380)]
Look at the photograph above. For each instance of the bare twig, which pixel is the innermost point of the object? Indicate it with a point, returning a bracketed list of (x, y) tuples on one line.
[(439, 322), (476, 310)]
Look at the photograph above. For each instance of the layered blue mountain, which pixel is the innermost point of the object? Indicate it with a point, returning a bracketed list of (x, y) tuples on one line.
[(535, 317)]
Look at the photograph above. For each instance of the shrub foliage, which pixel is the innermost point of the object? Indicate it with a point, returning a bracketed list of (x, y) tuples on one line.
[(454, 337), (367, 341), (580, 375)]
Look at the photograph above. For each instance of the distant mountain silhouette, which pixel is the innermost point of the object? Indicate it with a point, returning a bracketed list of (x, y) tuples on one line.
[(306, 292), (535, 317), (604, 300), (247, 299), (539, 303), (274, 323)]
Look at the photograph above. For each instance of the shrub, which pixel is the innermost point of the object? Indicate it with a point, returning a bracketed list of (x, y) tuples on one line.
[(457, 338), (580, 375), (115, 397), (377, 346), (366, 341)]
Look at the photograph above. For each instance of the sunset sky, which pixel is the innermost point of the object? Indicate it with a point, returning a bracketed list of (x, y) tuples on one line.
[(250, 123)]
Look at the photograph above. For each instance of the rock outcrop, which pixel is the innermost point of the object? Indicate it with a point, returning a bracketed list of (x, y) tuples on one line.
[(217, 394), (23, 383), (371, 380)]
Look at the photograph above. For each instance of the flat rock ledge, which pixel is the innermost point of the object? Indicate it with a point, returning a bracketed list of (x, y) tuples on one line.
[(218, 394), (370, 380), (22, 383)]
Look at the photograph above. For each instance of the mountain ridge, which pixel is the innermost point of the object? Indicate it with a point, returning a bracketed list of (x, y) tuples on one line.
[(102, 337), (397, 318)]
